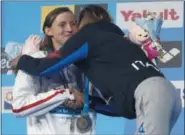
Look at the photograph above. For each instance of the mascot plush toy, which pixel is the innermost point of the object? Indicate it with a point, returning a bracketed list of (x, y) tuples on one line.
[(146, 33), (142, 38)]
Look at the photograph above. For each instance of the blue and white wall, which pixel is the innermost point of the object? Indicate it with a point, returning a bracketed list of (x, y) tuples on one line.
[(20, 19)]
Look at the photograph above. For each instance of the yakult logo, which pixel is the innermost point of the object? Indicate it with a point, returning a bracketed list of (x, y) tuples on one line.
[(167, 14), (170, 12)]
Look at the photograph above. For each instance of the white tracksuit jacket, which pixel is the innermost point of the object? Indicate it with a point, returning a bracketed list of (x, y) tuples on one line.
[(40, 101)]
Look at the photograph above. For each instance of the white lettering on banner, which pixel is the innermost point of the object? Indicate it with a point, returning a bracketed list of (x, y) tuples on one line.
[(179, 85), (170, 12), (5, 64)]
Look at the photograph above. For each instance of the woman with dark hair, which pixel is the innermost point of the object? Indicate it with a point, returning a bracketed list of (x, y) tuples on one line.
[(46, 101), (125, 77)]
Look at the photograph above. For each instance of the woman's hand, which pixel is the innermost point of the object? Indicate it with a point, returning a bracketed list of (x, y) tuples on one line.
[(77, 102), (32, 45)]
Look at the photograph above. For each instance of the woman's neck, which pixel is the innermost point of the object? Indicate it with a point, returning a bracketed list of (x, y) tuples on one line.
[(56, 45)]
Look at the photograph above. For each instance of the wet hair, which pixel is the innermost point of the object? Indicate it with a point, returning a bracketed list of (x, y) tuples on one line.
[(50, 18), (93, 13)]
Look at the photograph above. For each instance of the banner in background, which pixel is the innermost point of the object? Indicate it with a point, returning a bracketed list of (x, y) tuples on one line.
[(174, 50), (171, 14), (179, 85), (7, 99), (5, 65)]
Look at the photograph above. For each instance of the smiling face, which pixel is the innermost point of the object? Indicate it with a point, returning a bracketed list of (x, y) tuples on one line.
[(62, 28)]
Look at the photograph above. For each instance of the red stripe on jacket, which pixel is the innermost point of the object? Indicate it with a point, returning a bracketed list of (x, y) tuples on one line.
[(37, 102)]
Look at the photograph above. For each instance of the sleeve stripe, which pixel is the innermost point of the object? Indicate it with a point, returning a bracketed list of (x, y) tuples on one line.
[(37, 102)]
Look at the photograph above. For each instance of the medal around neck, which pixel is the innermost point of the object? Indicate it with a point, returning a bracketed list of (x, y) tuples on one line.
[(84, 123)]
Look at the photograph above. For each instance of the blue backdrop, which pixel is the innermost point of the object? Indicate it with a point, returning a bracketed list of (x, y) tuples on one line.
[(21, 19)]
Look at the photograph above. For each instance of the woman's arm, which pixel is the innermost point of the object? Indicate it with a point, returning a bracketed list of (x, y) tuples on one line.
[(29, 101)]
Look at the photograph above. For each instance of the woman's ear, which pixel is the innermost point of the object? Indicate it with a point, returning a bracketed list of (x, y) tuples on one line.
[(48, 31)]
